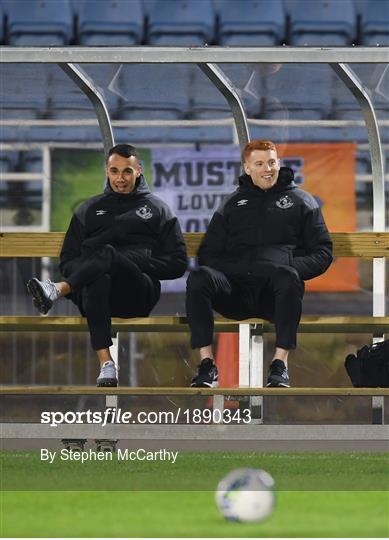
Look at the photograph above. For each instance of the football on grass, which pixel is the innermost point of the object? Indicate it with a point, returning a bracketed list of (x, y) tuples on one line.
[(246, 495)]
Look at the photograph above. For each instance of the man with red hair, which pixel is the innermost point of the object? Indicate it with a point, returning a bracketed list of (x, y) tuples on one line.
[(263, 241)]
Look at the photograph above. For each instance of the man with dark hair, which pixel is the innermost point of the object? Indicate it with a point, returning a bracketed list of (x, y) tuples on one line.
[(263, 241), (118, 246)]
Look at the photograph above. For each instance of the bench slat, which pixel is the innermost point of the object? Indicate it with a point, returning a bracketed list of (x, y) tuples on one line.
[(142, 324), (183, 391), (308, 324), (351, 244)]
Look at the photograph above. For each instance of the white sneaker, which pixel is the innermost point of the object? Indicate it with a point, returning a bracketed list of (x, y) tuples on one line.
[(108, 374), (44, 294)]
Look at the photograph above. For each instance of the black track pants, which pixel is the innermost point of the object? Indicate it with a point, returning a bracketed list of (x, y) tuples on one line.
[(275, 293), (106, 284)]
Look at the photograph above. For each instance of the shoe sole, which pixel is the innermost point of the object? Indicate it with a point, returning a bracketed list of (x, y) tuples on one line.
[(40, 301), (107, 383), (205, 385), (278, 385)]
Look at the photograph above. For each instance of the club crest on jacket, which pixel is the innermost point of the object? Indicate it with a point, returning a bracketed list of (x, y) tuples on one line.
[(144, 212), (284, 202)]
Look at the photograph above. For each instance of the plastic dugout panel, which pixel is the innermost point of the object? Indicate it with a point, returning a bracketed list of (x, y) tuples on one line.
[(154, 91), (297, 92), (23, 90), (375, 78)]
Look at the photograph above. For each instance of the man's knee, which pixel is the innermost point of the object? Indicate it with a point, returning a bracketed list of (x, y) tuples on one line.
[(99, 287), (198, 279), (287, 277)]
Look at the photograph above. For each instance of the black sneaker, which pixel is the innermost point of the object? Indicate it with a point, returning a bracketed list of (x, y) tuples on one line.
[(207, 374), (278, 374)]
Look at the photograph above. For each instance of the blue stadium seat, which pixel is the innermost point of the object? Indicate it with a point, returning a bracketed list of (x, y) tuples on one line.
[(375, 79), (39, 22), (181, 22), (22, 91), (76, 6), (363, 162), (321, 22), (250, 22), (154, 92), (286, 95), (8, 161), (2, 24), (4, 165), (31, 161), (148, 6), (110, 23), (67, 101), (206, 100), (375, 22)]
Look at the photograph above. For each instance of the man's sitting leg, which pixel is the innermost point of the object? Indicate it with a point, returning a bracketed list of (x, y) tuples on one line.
[(203, 286), (96, 303), (288, 291)]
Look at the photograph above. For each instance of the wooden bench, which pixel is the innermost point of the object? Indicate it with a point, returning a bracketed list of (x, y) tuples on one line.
[(366, 245), (362, 245)]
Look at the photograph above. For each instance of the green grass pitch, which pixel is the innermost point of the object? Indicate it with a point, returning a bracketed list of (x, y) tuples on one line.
[(318, 494)]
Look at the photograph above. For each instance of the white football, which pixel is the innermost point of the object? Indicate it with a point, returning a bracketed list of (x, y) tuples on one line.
[(246, 495)]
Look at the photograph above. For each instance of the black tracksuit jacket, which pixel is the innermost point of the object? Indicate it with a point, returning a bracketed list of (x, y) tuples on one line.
[(283, 225), (138, 224)]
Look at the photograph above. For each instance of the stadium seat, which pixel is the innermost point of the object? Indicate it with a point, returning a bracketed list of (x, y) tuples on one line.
[(250, 22), (154, 92), (22, 91), (39, 23), (321, 22), (375, 22), (148, 6), (2, 24), (76, 6), (286, 96), (206, 100), (181, 22), (110, 23), (363, 162), (375, 79), (66, 101), (8, 161), (31, 161)]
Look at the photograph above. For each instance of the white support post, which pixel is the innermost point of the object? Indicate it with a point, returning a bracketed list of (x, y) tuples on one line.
[(256, 378), (379, 293), (112, 401), (244, 354), (251, 367), (218, 405), (256, 363)]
